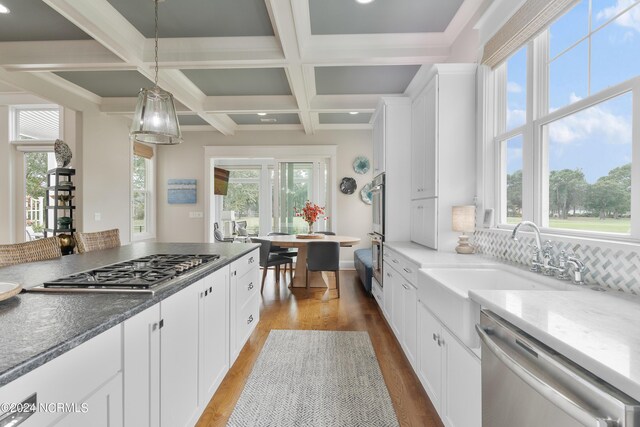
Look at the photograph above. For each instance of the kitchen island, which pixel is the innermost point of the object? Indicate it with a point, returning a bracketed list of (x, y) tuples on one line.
[(36, 329)]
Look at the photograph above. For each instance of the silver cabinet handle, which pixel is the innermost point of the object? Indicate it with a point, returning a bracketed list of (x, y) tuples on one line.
[(435, 336), (395, 261), (388, 274), (250, 286), (16, 416), (250, 319), (563, 402), (251, 260), (405, 286), (408, 270)]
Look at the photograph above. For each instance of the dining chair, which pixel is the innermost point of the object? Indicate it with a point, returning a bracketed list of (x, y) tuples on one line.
[(326, 233), (107, 239), (279, 249), (269, 259), (36, 250), (324, 256), (219, 237)]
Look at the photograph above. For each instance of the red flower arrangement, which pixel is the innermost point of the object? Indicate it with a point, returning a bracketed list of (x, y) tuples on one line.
[(310, 213)]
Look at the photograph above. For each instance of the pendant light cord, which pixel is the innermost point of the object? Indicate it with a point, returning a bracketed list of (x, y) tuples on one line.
[(156, 51)]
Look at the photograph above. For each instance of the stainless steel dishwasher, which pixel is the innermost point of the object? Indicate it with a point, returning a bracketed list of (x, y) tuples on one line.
[(527, 384)]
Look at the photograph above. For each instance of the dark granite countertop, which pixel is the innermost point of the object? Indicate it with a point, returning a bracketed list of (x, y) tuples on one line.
[(37, 327)]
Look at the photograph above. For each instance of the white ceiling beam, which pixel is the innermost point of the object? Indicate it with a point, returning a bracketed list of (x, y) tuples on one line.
[(58, 55), (346, 103), (217, 52), (127, 105), (251, 104), (269, 127), (284, 27), (44, 86)]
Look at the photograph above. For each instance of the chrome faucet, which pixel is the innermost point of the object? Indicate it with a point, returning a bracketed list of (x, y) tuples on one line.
[(537, 263)]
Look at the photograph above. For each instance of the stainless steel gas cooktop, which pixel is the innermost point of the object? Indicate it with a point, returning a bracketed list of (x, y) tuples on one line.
[(136, 275)]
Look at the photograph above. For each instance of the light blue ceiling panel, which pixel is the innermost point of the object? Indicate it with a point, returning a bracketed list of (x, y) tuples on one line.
[(240, 81), (358, 80), (198, 18), (381, 16)]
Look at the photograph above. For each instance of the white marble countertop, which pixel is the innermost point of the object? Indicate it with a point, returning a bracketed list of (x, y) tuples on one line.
[(597, 330), (426, 257)]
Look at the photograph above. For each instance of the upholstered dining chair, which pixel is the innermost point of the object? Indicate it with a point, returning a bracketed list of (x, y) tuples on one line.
[(324, 256), (36, 250), (269, 259), (279, 249), (107, 239)]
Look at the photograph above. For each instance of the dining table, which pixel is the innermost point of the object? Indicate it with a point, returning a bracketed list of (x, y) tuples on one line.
[(316, 279)]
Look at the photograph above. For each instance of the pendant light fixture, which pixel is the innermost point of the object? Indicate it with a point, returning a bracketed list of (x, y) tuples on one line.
[(155, 120)]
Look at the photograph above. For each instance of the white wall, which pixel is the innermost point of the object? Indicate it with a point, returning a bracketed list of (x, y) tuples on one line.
[(187, 161), (106, 160)]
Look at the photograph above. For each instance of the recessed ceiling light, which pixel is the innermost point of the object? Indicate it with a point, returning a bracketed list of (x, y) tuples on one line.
[(353, 112), (262, 114), (268, 120), (364, 1), (4, 9)]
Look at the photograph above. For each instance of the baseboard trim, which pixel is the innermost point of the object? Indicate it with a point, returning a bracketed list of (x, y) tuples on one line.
[(347, 265)]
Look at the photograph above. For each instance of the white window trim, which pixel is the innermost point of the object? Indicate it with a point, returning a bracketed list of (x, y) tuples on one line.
[(150, 234), (535, 182)]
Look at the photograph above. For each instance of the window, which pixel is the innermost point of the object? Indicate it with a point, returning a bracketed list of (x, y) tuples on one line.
[(33, 131), (242, 202), (142, 195), (36, 124), (567, 163)]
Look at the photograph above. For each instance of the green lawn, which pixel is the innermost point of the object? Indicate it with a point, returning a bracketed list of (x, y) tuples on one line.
[(608, 225)]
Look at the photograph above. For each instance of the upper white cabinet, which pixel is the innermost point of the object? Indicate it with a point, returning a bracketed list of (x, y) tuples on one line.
[(443, 155), (392, 154)]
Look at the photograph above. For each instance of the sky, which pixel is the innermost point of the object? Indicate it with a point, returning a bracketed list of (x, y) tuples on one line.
[(598, 139)]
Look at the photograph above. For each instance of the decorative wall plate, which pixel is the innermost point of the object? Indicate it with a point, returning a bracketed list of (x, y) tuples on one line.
[(361, 165), (365, 194), (348, 185)]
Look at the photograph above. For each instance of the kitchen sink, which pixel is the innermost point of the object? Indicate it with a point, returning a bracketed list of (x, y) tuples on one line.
[(445, 291)]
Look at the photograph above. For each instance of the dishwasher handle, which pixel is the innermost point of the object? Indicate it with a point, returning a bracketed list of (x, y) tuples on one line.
[(574, 409)]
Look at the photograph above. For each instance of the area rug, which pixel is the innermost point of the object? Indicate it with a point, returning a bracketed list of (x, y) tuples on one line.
[(315, 378)]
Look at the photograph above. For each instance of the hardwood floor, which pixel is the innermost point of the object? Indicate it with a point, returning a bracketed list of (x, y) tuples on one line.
[(284, 308)]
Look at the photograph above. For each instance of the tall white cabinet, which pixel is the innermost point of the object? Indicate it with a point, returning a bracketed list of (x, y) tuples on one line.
[(391, 154), (442, 153)]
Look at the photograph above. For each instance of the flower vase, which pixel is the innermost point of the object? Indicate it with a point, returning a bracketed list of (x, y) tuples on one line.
[(310, 228)]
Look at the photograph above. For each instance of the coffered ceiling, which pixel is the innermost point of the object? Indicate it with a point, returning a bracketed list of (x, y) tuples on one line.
[(307, 64)]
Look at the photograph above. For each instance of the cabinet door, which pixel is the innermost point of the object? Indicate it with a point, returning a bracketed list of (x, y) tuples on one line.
[(418, 146), (142, 365), (462, 402), (103, 408), (417, 222), (409, 336), (214, 330), (387, 291), (378, 143), (430, 159), (429, 229), (397, 317), (179, 358), (429, 355)]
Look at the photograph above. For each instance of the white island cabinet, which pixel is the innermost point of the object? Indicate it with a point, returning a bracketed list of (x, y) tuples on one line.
[(86, 379), (177, 353)]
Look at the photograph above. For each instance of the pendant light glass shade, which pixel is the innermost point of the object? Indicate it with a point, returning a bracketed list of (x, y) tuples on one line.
[(155, 120)]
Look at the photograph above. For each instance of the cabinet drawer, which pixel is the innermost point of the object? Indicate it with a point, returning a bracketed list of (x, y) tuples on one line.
[(248, 317), (407, 269), (377, 292), (246, 263), (247, 286), (69, 378)]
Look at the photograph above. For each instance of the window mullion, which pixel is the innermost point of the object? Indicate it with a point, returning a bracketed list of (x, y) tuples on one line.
[(635, 161)]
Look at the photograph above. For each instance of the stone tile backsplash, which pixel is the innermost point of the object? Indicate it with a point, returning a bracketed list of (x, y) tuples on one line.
[(617, 269)]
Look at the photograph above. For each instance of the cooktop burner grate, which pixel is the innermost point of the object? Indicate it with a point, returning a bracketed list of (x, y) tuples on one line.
[(139, 273)]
